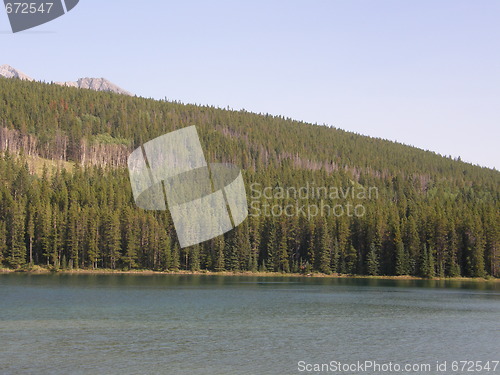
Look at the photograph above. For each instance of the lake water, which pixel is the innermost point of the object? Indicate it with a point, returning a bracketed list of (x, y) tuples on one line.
[(181, 324)]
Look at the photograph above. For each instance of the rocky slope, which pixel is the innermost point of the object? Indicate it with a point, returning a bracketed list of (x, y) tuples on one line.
[(97, 84), (8, 71)]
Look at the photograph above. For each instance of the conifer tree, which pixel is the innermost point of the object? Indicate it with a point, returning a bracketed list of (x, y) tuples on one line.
[(325, 250), (175, 257), (112, 239), (351, 260), (401, 259), (92, 238), (165, 244), (427, 263), (335, 263), (3, 242), (271, 247), (311, 248), (30, 234), (43, 231), (372, 264), (219, 254), (72, 238), (15, 241), (131, 239), (452, 267), (194, 264), (283, 260)]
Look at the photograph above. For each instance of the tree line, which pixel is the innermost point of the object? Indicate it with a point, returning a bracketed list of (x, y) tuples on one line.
[(434, 216)]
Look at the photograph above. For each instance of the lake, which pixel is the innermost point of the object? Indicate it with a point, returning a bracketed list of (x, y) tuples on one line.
[(195, 324)]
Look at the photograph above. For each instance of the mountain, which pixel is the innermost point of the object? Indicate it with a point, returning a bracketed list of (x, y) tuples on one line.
[(8, 71), (96, 84), (320, 199)]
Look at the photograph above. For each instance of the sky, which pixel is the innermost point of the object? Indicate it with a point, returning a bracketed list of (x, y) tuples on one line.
[(424, 73)]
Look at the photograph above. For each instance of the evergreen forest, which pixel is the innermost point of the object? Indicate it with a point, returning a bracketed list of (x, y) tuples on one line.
[(66, 200)]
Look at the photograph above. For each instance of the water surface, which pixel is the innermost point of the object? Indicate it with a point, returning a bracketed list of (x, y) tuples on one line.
[(184, 324)]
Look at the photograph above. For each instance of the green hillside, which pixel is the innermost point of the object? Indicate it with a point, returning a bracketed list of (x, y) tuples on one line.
[(421, 214)]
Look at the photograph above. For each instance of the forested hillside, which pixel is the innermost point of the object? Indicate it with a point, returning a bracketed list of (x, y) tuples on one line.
[(431, 216)]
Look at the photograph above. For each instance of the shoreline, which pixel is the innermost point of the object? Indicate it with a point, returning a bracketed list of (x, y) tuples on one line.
[(44, 271)]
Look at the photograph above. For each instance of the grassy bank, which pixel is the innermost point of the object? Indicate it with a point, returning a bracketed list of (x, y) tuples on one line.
[(45, 270)]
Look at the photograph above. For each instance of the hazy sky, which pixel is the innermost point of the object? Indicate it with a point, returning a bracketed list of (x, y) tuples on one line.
[(425, 73)]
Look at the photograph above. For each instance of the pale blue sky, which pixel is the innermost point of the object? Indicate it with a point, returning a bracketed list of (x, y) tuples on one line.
[(425, 73)]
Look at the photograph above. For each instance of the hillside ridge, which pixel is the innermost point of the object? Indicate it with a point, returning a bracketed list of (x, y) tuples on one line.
[(96, 84), (430, 216)]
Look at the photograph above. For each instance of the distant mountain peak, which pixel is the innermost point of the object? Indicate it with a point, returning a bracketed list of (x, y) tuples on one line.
[(8, 71), (97, 84)]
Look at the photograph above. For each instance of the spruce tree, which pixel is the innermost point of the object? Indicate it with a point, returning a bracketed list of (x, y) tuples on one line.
[(325, 250), (176, 257), (92, 239), (283, 261), (219, 254), (372, 264), (112, 239), (401, 259), (131, 239), (72, 238), (271, 248), (15, 242), (427, 263), (194, 264), (3, 242)]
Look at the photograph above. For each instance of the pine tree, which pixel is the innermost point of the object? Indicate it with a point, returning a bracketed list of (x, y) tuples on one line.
[(351, 260), (271, 247), (194, 264), (311, 249), (56, 238), (255, 239), (165, 244), (335, 263), (30, 234), (427, 263), (343, 234), (452, 267), (325, 250), (3, 242), (232, 256), (15, 241), (402, 267), (112, 239), (43, 231), (372, 264), (477, 253), (432, 264), (219, 254), (131, 239), (243, 246), (176, 257), (72, 237), (92, 238), (412, 245), (283, 261)]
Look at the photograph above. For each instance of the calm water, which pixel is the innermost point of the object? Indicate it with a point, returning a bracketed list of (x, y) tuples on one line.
[(163, 324)]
